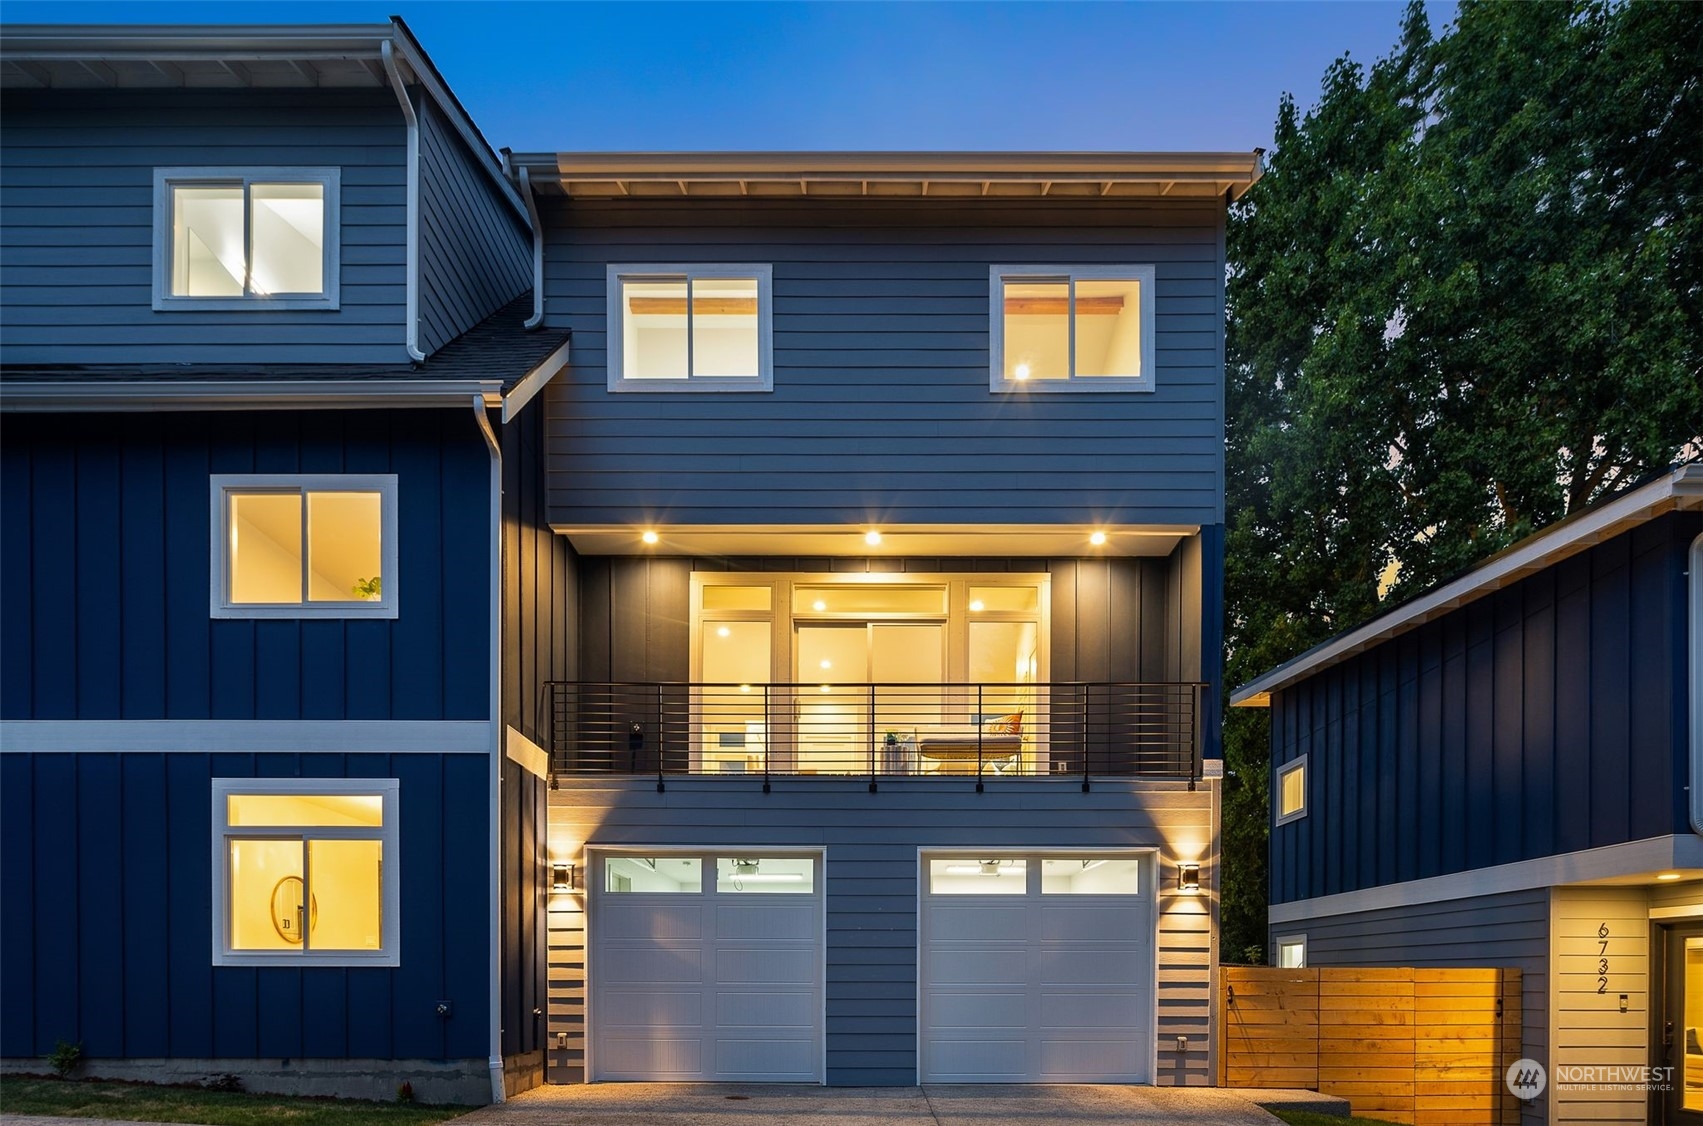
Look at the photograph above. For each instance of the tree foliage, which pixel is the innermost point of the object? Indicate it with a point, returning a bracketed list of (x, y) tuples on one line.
[(1464, 301)]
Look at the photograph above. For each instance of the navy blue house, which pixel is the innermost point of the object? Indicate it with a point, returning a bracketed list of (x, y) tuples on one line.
[(1507, 771), (814, 681)]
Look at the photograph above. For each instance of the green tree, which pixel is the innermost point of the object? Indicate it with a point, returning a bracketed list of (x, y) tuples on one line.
[(1464, 300)]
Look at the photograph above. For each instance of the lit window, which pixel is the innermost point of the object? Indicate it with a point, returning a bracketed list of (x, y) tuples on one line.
[(304, 547), (978, 875), (693, 328), (1292, 790), (235, 238), (1292, 952), (305, 870), (653, 875), (1058, 328)]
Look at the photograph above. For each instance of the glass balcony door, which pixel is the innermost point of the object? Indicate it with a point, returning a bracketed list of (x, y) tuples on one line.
[(840, 723)]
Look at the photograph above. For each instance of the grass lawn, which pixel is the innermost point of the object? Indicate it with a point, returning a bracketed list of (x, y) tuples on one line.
[(145, 1102), (1308, 1118)]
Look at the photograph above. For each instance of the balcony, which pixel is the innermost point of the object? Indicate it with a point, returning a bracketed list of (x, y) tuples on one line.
[(972, 732)]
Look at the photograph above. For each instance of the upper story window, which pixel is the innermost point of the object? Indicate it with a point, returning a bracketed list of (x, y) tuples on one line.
[(234, 238), (305, 870), (690, 328), (1291, 790), (304, 547), (1072, 328)]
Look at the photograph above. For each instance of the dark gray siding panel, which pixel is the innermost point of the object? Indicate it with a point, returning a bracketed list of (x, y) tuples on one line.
[(1510, 929), (1546, 718), (881, 408), (475, 254), (871, 843), (77, 230)]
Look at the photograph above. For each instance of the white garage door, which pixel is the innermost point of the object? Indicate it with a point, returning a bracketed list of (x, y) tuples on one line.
[(1037, 969), (706, 966)]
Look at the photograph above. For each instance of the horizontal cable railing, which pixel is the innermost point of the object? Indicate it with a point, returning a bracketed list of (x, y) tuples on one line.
[(984, 731)]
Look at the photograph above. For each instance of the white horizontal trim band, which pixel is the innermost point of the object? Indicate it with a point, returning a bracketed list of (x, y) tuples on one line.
[(246, 395), (363, 736), (1655, 854)]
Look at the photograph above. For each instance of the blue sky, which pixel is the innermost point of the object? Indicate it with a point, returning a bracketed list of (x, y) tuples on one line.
[(667, 76)]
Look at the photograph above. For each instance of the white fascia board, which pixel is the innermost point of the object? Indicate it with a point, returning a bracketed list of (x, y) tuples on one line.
[(535, 381), (59, 397), (1531, 554), (106, 736)]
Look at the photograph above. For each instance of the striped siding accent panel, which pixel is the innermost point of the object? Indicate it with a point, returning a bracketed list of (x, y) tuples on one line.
[(475, 253), (76, 235), (881, 401), (1590, 926), (872, 842), (1491, 930)]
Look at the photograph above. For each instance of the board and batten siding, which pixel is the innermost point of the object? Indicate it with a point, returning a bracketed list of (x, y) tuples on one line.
[(881, 409), (105, 527), (77, 232), (108, 924), (1468, 742), (475, 253), (871, 873), (1587, 1027), (1510, 929)]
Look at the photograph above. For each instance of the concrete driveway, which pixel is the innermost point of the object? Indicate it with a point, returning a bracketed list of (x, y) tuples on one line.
[(697, 1104)]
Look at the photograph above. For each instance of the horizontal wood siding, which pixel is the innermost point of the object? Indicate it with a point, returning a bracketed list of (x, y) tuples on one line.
[(1546, 718), (1112, 619), (1593, 929), (871, 871), (475, 253), (881, 407), (108, 922), (1509, 930), (77, 231), (106, 528)]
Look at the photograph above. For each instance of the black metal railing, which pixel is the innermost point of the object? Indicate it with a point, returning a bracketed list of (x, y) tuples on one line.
[(981, 731)]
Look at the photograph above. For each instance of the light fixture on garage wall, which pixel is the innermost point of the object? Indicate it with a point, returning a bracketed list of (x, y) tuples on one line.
[(1188, 878), (562, 877)]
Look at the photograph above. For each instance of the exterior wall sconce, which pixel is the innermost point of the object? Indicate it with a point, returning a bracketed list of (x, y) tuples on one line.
[(1188, 879), (562, 877)]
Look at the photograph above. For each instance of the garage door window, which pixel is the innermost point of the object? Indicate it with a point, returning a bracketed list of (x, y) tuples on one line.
[(653, 875), (754, 875), (1094, 875), (978, 876)]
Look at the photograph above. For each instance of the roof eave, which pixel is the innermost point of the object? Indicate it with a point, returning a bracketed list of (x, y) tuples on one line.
[(61, 396)]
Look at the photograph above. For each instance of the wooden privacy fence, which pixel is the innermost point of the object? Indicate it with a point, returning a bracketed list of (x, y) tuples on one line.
[(1407, 1045)]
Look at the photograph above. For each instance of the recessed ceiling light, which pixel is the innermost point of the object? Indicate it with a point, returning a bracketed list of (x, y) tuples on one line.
[(1097, 538), (872, 537), (827, 664), (818, 605), (723, 631), (649, 537), (1021, 371), (978, 605), (1668, 876)]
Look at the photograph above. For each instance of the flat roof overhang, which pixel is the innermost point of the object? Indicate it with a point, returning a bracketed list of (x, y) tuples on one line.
[(901, 175), (897, 540)]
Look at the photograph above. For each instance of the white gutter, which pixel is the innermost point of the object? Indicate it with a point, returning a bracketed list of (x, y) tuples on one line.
[(495, 743), (537, 317), (413, 121), (231, 394)]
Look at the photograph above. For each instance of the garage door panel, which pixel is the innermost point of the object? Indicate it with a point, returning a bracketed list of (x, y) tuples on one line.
[(641, 965), (978, 922), (976, 966), (768, 1060), (624, 918), (1090, 1061), (980, 1010), (982, 1059), (758, 966), (635, 1057), (1121, 1010), (650, 1008), (771, 1009), (1083, 965), (793, 922), (1069, 921)]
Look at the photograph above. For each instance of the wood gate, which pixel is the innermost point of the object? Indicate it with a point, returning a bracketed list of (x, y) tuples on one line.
[(1406, 1045)]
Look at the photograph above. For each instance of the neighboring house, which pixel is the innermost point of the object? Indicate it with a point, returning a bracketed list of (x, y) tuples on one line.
[(830, 695), (263, 293), (1508, 771)]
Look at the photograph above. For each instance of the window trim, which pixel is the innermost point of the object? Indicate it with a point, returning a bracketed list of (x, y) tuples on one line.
[(1282, 940), (165, 178), (221, 485), (1299, 762), (390, 902), (614, 335), (1074, 384)]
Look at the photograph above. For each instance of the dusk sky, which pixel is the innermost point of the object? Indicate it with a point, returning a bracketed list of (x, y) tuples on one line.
[(655, 76)]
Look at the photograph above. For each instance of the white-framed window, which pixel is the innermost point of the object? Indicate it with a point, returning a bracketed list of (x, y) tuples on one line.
[(1071, 328), (246, 238), (690, 328), (305, 871), (1291, 791), (1289, 952), (294, 546)]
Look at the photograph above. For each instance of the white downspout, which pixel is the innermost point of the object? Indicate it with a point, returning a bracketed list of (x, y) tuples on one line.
[(494, 907), (413, 286), (537, 317)]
